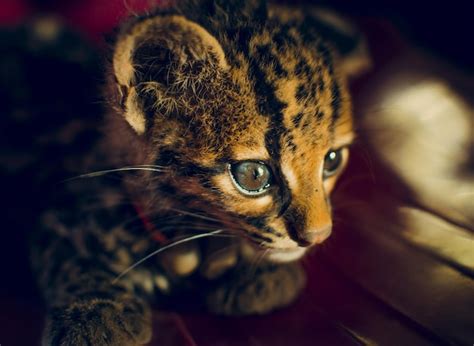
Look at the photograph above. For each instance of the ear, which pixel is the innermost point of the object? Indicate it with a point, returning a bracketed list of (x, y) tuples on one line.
[(154, 59), (345, 38), (336, 31)]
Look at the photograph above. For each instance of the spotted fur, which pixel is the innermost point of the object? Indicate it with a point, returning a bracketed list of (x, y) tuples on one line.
[(191, 90)]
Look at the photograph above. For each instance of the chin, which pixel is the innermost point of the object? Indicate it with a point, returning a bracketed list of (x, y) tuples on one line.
[(285, 255), (253, 250)]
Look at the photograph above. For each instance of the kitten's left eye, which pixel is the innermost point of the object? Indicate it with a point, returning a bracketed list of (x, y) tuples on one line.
[(332, 163), (250, 177)]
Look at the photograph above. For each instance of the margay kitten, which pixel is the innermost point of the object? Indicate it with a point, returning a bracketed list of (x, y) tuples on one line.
[(228, 121)]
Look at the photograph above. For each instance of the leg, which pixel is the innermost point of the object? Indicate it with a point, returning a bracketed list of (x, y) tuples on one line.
[(245, 291), (77, 260), (108, 317)]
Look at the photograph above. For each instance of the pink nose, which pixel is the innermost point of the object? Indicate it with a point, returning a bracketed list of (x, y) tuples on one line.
[(315, 236)]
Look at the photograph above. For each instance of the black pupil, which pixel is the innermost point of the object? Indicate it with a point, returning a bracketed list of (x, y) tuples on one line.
[(332, 162), (251, 176)]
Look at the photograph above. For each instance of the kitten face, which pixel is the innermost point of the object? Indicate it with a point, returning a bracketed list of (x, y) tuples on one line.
[(254, 123)]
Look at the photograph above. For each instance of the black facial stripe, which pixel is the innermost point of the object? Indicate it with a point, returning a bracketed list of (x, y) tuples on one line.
[(273, 138), (292, 232), (261, 225), (258, 222), (285, 193), (283, 198), (267, 102), (335, 89), (335, 103), (191, 169), (260, 237), (170, 158), (273, 231), (295, 222), (269, 105)]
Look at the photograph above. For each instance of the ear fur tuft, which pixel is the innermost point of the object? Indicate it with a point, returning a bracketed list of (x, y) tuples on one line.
[(150, 52)]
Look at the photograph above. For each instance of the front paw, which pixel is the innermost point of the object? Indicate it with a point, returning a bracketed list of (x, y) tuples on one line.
[(97, 323), (270, 287)]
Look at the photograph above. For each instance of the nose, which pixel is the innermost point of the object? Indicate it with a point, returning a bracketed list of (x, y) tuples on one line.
[(314, 236)]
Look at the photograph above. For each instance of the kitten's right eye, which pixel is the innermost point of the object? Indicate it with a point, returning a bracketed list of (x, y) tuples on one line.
[(250, 177)]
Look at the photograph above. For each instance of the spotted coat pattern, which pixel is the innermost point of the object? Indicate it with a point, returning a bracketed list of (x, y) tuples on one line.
[(191, 90)]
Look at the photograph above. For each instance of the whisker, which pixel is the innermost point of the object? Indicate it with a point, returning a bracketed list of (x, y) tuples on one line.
[(108, 171), (189, 213), (153, 166), (166, 247), (188, 228), (257, 261)]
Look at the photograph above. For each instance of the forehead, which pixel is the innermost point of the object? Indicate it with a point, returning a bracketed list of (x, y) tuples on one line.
[(279, 94), (290, 88)]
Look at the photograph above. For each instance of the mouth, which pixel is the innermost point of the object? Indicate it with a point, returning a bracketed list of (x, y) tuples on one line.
[(276, 255), (285, 255), (257, 248)]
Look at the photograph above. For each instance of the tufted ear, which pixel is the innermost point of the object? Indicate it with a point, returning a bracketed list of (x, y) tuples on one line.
[(337, 31), (155, 59)]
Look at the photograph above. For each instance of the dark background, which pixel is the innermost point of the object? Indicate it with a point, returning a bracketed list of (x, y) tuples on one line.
[(444, 27)]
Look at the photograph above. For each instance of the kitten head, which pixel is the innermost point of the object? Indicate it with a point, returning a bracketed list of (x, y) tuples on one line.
[(248, 113)]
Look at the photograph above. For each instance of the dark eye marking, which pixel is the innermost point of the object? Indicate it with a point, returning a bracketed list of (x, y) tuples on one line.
[(336, 101), (260, 237), (174, 161), (260, 224)]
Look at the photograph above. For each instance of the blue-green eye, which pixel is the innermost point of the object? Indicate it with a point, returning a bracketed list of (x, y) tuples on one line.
[(250, 177), (332, 163)]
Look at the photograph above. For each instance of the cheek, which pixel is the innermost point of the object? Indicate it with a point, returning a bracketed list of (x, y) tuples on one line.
[(236, 202), (329, 185)]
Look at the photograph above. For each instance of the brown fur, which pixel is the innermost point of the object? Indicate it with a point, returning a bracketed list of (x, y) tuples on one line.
[(191, 92)]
